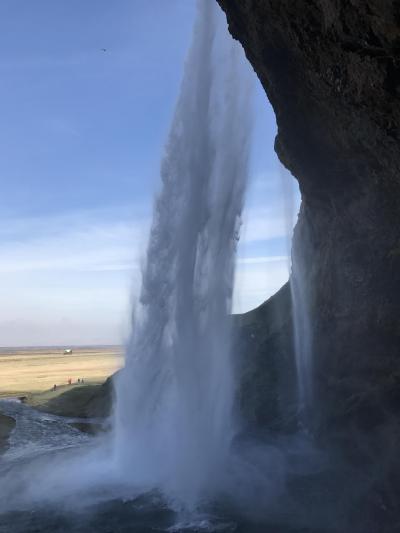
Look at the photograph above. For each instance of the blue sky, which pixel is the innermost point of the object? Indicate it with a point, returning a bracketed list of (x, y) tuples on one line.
[(81, 137)]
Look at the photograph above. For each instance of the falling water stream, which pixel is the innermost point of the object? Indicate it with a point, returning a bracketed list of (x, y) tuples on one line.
[(303, 342), (174, 398)]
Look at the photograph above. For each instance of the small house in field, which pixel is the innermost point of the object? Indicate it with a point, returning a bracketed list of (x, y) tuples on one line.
[(68, 351)]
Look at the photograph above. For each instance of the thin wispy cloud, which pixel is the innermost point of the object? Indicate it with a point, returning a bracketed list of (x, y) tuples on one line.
[(96, 241), (262, 260), (93, 248), (71, 276), (257, 279), (82, 133), (62, 271)]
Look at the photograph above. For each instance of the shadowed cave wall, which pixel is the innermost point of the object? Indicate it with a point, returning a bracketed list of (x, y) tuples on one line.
[(331, 70)]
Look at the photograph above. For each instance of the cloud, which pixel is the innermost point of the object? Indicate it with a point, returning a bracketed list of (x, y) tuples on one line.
[(262, 260), (71, 278), (20, 332), (75, 242), (263, 224), (258, 278), (271, 207)]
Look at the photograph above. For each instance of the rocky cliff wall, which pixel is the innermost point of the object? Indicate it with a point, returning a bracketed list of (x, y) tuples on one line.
[(331, 70), (267, 392)]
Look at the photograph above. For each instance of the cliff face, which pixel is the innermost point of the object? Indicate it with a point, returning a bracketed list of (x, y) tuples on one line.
[(267, 393), (331, 70)]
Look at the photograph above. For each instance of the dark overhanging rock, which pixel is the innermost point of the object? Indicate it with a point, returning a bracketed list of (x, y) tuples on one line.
[(331, 69)]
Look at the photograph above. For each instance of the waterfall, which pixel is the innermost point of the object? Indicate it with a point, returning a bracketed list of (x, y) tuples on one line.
[(174, 421), (297, 245), (302, 323)]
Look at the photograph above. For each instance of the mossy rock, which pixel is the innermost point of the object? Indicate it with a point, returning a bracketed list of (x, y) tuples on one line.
[(88, 401)]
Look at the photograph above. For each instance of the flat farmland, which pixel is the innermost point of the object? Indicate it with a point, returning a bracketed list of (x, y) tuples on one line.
[(32, 370)]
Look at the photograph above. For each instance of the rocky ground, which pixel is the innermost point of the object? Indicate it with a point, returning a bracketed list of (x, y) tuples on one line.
[(7, 424)]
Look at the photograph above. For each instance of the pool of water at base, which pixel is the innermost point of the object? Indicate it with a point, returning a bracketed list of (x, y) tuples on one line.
[(38, 437), (130, 517)]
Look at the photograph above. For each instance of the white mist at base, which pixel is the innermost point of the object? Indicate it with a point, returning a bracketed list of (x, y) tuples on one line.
[(174, 422)]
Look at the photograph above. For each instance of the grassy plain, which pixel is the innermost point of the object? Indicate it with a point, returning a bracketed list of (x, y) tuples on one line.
[(25, 371)]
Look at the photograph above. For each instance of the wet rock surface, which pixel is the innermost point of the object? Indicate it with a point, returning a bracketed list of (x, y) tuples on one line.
[(7, 424), (331, 70), (267, 393)]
